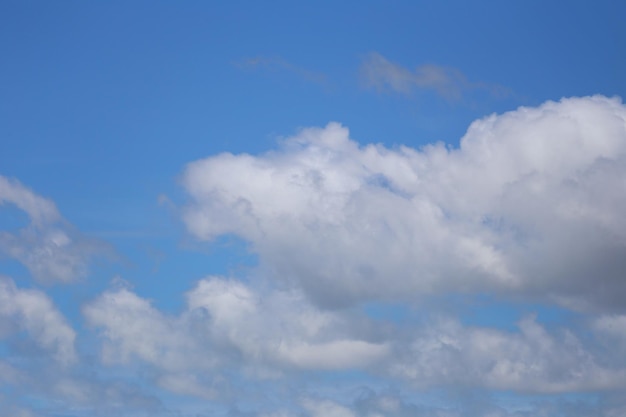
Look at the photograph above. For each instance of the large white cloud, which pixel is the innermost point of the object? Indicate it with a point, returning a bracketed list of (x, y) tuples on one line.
[(531, 203), (51, 249)]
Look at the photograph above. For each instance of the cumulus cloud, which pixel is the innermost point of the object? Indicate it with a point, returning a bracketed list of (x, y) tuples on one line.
[(450, 83), (272, 334), (33, 312), (280, 327), (530, 204), (134, 329), (226, 323), (51, 249)]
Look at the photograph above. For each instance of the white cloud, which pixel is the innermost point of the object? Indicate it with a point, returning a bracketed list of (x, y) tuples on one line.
[(51, 249), (40, 210), (530, 204), (33, 312), (280, 327), (225, 324), (132, 328), (380, 73), (326, 408), (531, 360), (228, 325)]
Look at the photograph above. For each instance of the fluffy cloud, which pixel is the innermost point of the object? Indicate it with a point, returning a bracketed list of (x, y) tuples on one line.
[(530, 204), (281, 327), (33, 312), (226, 323), (51, 249)]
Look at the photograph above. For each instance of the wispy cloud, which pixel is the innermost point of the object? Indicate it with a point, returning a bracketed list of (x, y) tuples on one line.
[(379, 73), (280, 64), (51, 248)]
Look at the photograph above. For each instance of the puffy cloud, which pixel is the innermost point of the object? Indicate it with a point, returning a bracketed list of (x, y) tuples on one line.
[(226, 323), (280, 327), (34, 312), (51, 249), (380, 73), (531, 203), (132, 328)]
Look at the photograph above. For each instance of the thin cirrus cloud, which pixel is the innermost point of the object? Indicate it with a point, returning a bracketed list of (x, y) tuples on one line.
[(378, 73), (280, 64), (531, 204)]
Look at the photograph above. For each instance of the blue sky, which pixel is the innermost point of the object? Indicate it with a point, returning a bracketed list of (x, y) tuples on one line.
[(312, 209)]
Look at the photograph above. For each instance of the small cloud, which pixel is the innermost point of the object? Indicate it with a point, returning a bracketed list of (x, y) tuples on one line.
[(275, 64), (51, 248), (450, 83), (34, 312)]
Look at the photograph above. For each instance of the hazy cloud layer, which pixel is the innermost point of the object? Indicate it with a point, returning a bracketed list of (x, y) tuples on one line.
[(379, 73), (531, 204)]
